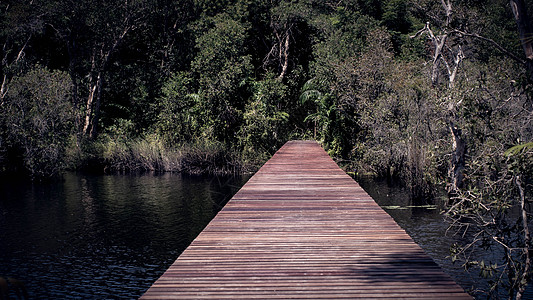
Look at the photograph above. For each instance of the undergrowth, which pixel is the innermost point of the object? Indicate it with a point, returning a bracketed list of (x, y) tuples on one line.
[(114, 154)]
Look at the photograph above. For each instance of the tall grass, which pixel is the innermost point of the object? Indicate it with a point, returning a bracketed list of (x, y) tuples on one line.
[(116, 154), (211, 158)]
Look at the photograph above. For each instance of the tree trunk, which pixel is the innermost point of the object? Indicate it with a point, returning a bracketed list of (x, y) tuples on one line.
[(92, 112), (5, 65), (96, 110), (524, 29), (3, 89), (73, 62), (458, 158), (284, 55), (100, 60), (439, 44), (522, 283)]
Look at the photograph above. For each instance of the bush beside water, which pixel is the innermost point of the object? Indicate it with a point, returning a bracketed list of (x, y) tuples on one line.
[(111, 154)]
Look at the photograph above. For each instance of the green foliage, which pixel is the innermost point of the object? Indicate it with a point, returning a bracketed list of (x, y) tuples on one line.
[(180, 116), (335, 70), (515, 150), (116, 152), (492, 210), (412, 49), (208, 157), (396, 16), (38, 120), (210, 7), (223, 69), (324, 117), (395, 112), (489, 206), (264, 127), (220, 46), (203, 71), (372, 8)]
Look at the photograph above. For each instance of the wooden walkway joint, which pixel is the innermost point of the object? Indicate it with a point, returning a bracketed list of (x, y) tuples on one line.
[(301, 228)]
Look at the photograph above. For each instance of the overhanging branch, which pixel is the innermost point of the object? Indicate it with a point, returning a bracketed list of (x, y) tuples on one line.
[(491, 41)]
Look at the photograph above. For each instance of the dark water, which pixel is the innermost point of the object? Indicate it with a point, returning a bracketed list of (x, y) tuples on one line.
[(424, 222), (111, 237), (97, 237)]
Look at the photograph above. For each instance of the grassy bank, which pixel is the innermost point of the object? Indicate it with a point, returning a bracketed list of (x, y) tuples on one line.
[(112, 154)]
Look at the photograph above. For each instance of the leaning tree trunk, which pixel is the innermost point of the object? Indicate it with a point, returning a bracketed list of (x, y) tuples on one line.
[(526, 33), (458, 158), (92, 113), (99, 62), (284, 55), (523, 277)]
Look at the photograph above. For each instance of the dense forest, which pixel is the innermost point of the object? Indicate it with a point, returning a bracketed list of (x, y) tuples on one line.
[(433, 93)]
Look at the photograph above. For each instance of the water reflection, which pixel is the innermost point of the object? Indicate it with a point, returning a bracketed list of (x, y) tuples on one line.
[(102, 236)]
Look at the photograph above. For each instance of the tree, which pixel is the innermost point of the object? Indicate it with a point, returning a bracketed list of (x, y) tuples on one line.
[(104, 44), (336, 79), (93, 32), (443, 52), (288, 23), (223, 68), (37, 115), (477, 101), (20, 22), (498, 220), (179, 119), (448, 51), (264, 127)]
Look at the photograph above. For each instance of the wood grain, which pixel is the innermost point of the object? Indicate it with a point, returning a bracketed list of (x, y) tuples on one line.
[(303, 229)]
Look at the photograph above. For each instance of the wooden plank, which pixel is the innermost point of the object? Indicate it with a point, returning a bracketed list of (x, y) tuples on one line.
[(303, 229)]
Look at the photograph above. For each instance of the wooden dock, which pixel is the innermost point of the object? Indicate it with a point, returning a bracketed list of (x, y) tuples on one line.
[(303, 229)]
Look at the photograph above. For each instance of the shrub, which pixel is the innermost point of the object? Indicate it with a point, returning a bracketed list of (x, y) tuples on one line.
[(264, 127), (38, 117)]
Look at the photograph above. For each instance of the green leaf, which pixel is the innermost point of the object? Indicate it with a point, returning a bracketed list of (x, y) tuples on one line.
[(519, 148)]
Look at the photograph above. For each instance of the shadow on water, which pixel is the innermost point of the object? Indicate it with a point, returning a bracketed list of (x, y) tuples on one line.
[(92, 237), (11, 288)]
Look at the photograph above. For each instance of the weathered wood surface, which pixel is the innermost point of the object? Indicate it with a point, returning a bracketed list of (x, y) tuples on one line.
[(299, 229)]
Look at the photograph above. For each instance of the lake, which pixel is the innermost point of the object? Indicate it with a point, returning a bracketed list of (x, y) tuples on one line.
[(95, 237), (112, 236)]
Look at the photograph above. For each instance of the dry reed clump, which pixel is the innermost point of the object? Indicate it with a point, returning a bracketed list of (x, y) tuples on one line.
[(150, 154), (209, 158)]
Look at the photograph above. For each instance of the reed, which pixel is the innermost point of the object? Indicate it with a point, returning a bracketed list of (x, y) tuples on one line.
[(210, 158), (114, 154)]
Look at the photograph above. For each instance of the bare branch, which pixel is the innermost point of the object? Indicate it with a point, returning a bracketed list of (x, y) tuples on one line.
[(457, 61), (491, 41), (21, 52), (418, 33), (448, 10), (3, 89)]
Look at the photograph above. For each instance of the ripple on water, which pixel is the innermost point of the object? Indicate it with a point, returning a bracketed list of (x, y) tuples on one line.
[(95, 237)]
